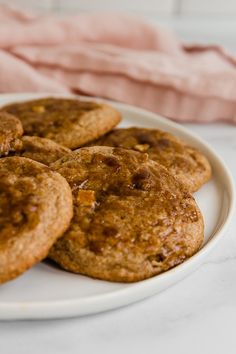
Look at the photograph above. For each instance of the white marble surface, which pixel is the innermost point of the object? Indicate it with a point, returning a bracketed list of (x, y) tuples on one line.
[(195, 316)]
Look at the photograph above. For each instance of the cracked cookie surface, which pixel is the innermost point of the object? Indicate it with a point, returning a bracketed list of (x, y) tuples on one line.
[(35, 209), (39, 149), (132, 218), (189, 165), (10, 131), (69, 122)]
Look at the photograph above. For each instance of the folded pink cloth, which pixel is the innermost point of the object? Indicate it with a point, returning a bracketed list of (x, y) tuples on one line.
[(117, 57)]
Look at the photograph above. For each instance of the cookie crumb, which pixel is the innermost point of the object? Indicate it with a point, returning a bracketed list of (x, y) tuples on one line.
[(142, 147), (86, 197), (38, 109)]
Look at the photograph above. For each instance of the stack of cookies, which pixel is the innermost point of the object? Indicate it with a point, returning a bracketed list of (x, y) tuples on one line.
[(112, 204)]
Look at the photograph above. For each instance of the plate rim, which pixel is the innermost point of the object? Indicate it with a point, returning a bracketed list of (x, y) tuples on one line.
[(24, 309)]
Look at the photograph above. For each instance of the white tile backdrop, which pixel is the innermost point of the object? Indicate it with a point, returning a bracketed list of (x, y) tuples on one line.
[(211, 21), (208, 7), (152, 7), (36, 5), (132, 6)]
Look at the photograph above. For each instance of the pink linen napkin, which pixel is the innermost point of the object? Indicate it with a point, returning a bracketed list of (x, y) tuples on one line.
[(117, 57)]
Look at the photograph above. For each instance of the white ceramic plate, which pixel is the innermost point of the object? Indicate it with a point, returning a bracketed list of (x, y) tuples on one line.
[(47, 292)]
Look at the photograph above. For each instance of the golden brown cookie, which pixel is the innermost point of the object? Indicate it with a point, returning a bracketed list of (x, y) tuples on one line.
[(187, 163), (132, 218), (39, 149), (10, 131), (35, 209), (69, 122)]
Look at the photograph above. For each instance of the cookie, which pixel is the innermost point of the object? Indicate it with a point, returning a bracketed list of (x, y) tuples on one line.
[(10, 131), (35, 209), (132, 218), (39, 149), (69, 122), (188, 164)]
